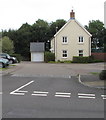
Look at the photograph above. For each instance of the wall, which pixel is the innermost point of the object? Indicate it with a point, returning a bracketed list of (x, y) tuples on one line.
[(99, 56)]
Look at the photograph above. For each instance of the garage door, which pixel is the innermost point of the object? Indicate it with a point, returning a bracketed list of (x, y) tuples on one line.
[(37, 57)]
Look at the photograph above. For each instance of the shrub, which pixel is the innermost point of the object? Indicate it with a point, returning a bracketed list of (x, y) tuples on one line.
[(78, 59), (90, 59), (102, 75), (49, 56)]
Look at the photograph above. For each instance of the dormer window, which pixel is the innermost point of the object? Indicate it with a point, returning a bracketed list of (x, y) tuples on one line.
[(64, 40), (81, 39)]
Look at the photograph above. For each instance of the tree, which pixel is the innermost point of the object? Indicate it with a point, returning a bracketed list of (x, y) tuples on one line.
[(96, 28), (55, 26), (7, 45)]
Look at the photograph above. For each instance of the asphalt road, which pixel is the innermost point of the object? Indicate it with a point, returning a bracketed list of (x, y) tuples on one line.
[(50, 97)]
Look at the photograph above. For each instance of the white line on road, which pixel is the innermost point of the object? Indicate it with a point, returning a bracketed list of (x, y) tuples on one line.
[(20, 92), (40, 93), (86, 94), (1, 93), (103, 96), (61, 94), (82, 95)]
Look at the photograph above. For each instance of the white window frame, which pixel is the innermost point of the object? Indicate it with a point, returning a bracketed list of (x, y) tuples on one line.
[(81, 53), (64, 40), (64, 53), (80, 39)]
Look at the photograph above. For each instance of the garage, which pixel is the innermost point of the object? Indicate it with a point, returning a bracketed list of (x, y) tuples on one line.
[(37, 52), (37, 57)]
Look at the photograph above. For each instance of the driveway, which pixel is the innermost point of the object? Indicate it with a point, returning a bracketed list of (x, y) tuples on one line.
[(55, 70)]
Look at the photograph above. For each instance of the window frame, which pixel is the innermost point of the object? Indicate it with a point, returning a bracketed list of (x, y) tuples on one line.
[(81, 53), (81, 39), (64, 40), (64, 53)]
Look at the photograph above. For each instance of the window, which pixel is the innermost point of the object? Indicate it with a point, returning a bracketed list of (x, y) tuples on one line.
[(64, 40), (80, 52), (81, 39), (64, 54)]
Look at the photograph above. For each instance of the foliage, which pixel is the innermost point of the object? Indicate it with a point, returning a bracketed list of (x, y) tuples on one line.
[(102, 75), (7, 45), (40, 31), (49, 57), (96, 28), (80, 59)]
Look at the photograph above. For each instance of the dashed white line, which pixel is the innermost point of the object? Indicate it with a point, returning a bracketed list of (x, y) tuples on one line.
[(20, 92), (40, 93), (89, 96), (62, 94), (103, 96)]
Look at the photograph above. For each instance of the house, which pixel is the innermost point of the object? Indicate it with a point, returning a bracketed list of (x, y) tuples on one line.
[(37, 51), (71, 40)]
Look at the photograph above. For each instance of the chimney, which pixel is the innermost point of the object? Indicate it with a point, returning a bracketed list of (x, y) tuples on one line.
[(72, 15)]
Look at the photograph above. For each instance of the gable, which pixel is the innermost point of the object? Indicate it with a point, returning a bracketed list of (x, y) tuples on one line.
[(73, 23), (36, 47)]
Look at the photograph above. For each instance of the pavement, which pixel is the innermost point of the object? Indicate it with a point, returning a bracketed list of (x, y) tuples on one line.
[(92, 81), (89, 80)]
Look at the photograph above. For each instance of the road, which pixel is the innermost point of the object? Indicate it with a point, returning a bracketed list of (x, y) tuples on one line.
[(48, 96)]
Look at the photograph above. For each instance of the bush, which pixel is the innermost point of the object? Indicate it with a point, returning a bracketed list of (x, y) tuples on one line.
[(18, 56), (102, 75), (77, 59), (90, 59), (49, 57)]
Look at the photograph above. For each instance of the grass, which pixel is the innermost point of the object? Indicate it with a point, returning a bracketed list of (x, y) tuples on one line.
[(59, 62), (95, 73)]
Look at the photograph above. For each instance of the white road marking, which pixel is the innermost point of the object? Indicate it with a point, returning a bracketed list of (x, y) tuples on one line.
[(69, 76), (1, 93), (40, 93), (20, 92), (82, 95), (61, 94), (104, 97)]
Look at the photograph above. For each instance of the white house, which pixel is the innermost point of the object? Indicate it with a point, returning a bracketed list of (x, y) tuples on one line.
[(71, 40)]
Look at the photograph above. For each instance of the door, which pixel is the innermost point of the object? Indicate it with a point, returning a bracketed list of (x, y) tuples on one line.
[(37, 57)]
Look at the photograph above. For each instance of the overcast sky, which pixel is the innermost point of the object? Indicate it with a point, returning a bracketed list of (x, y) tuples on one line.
[(13, 13)]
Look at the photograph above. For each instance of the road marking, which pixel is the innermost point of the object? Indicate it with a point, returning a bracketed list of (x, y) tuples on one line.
[(82, 95), (20, 92), (1, 93), (103, 96), (61, 94), (40, 93), (69, 76)]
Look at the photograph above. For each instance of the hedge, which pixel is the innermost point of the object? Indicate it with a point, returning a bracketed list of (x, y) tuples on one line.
[(80, 59), (102, 75), (48, 56)]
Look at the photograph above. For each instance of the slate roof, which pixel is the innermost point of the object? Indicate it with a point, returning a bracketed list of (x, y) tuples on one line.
[(37, 47)]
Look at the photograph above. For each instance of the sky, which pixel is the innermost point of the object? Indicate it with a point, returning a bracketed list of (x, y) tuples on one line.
[(14, 13)]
